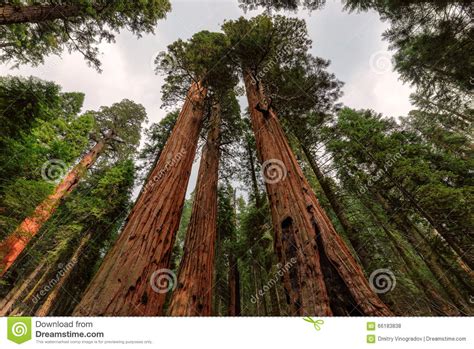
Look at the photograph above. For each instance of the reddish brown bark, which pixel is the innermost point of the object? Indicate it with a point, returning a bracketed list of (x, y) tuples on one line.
[(303, 232), (123, 283), (16, 242), (193, 295), (10, 14)]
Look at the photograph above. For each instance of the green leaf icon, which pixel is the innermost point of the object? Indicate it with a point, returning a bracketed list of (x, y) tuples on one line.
[(19, 329), (316, 323)]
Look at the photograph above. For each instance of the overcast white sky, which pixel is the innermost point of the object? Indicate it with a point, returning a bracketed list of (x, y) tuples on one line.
[(351, 41)]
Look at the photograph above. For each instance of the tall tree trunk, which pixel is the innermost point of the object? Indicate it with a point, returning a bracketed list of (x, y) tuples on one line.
[(53, 296), (234, 308), (10, 14), (463, 254), (193, 295), (16, 242), (302, 229), (234, 287), (256, 191), (256, 288), (141, 255), (414, 237), (352, 234), (434, 301), (275, 300), (14, 295)]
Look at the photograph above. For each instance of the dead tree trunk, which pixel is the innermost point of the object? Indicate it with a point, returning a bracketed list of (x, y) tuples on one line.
[(302, 229), (16, 242), (193, 295), (126, 282)]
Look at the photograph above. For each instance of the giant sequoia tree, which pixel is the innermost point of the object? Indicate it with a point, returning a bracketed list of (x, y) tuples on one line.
[(70, 245), (349, 193), (304, 235), (193, 295), (152, 225), (30, 30), (119, 127)]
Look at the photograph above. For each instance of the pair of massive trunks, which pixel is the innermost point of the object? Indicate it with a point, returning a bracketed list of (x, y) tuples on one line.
[(304, 236)]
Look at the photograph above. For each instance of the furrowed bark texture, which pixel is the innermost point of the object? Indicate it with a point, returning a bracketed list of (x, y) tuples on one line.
[(16, 242), (10, 14), (193, 295), (299, 219), (129, 281)]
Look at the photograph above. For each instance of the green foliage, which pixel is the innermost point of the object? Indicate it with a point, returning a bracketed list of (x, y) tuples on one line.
[(95, 210), (277, 5), (156, 136), (74, 26), (265, 41), (433, 48), (202, 58), (121, 122), (41, 124), (413, 170)]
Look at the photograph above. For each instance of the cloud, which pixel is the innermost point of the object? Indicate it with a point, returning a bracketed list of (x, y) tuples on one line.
[(347, 39)]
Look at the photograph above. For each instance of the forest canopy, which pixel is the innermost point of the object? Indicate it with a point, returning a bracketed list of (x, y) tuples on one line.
[(259, 192)]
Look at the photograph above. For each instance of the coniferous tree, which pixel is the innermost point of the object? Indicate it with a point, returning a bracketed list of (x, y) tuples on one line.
[(119, 128), (303, 232), (31, 30)]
